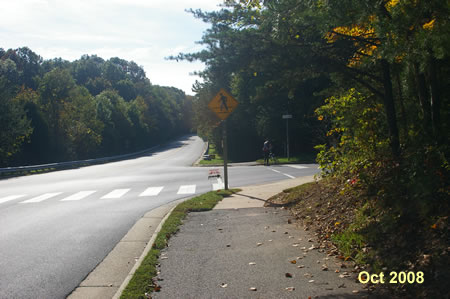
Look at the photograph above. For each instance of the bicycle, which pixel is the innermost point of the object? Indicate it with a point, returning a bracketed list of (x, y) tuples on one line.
[(273, 159)]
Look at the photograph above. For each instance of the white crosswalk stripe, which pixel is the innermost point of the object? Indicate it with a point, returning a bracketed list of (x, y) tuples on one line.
[(78, 196), (11, 197), (118, 193), (42, 197), (296, 166), (186, 189), (152, 191)]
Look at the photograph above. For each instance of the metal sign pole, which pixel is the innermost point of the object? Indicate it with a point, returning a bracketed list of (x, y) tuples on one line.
[(225, 154), (287, 137)]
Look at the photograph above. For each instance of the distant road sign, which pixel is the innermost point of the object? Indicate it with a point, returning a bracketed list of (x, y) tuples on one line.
[(223, 104), (286, 116)]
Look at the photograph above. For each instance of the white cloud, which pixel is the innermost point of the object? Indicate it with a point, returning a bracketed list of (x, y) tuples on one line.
[(145, 31)]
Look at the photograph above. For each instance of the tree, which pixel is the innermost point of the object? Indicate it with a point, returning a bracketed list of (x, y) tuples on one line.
[(16, 128)]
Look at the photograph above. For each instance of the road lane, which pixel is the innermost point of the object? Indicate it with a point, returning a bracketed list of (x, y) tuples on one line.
[(50, 244)]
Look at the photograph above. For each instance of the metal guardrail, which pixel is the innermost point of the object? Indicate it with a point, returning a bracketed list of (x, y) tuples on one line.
[(18, 169)]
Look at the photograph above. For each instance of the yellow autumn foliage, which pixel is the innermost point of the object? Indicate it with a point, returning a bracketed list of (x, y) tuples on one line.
[(391, 4), (429, 25), (356, 31)]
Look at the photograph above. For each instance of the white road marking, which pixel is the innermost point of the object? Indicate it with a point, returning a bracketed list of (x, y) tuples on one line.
[(11, 197), (285, 174), (42, 197), (118, 193), (296, 166), (152, 191), (288, 175), (219, 185), (78, 196), (186, 189)]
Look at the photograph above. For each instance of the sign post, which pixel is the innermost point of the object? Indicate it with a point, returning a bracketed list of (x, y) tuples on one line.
[(222, 105), (287, 117)]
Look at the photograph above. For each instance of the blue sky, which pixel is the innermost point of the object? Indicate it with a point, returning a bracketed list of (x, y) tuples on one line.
[(144, 31)]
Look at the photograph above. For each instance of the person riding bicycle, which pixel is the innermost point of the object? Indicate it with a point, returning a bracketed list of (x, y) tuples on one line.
[(267, 149)]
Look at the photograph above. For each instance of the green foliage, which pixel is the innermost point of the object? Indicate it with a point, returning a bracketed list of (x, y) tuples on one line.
[(356, 132), (15, 127), (57, 110)]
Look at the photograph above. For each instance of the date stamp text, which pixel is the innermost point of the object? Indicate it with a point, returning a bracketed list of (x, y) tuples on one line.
[(393, 277)]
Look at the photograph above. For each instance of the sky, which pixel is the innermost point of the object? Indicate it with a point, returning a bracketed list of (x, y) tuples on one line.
[(143, 31)]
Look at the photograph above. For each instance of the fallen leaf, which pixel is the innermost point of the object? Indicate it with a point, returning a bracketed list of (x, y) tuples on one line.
[(288, 275), (293, 262), (324, 268), (157, 289), (289, 221)]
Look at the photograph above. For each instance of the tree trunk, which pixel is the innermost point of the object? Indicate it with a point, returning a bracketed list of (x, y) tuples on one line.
[(424, 99), (390, 109), (402, 105), (435, 100)]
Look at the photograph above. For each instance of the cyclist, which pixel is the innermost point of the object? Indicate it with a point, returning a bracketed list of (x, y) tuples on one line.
[(267, 149)]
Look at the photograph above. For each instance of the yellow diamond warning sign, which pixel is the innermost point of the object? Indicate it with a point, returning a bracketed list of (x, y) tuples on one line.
[(223, 104)]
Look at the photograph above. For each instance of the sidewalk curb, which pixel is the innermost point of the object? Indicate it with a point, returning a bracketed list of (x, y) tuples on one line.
[(147, 249), (96, 284)]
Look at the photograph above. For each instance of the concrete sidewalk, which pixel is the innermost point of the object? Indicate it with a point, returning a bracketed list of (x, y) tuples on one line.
[(243, 250)]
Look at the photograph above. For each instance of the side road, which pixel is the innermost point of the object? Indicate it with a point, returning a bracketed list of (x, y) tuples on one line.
[(242, 249)]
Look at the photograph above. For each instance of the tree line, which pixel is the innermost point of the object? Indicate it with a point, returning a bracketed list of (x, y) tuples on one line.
[(367, 83), (366, 80), (57, 110)]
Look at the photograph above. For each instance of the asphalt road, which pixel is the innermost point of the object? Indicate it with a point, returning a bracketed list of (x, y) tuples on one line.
[(56, 227)]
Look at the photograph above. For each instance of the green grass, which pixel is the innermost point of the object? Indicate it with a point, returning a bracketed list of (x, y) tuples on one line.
[(142, 281), (303, 158), (351, 241)]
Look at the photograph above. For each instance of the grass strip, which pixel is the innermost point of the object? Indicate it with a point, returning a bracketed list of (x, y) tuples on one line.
[(303, 158), (142, 284)]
